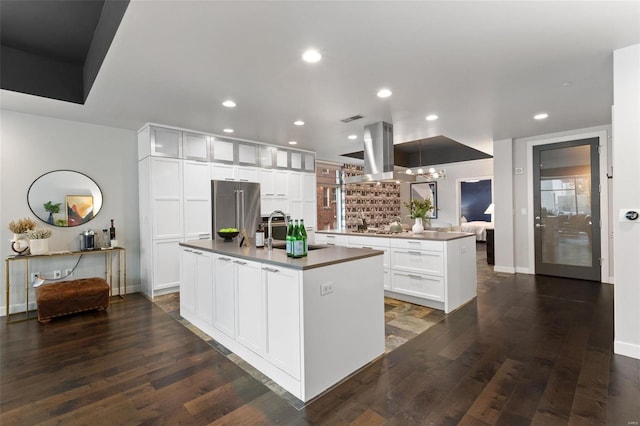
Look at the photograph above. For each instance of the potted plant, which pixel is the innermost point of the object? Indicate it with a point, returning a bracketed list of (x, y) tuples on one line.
[(39, 240), (51, 208), (20, 241), (419, 209)]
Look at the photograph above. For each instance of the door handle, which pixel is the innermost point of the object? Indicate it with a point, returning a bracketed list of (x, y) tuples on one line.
[(540, 226)]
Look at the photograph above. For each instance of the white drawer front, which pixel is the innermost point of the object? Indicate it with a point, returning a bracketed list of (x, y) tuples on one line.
[(386, 250), (417, 244), (426, 286), (426, 262), (358, 241), (332, 239)]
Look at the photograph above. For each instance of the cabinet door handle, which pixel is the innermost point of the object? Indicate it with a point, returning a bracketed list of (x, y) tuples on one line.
[(331, 244), (371, 248), (414, 242), (239, 262), (203, 236), (188, 250), (264, 268), (229, 179), (415, 252), (330, 236), (225, 259), (414, 276)]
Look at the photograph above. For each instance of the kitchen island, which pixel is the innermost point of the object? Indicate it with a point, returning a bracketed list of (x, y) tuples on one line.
[(305, 323), (434, 269)]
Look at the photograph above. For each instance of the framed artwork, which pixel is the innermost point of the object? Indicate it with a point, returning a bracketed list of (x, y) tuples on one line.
[(79, 209), (426, 190)]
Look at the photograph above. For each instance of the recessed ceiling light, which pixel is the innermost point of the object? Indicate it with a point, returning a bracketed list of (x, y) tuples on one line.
[(229, 103), (384, 93), (228, 130), (541, 116), (352, 137), (567, 83), (299, 123), (311, 56), (293, 143), (431, 117)]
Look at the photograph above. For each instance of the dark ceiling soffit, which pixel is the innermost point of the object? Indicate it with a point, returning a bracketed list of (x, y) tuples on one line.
[(53, 78), (435, 150)]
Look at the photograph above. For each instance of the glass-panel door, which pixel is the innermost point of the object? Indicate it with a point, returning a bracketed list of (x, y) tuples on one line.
[(567, 209)]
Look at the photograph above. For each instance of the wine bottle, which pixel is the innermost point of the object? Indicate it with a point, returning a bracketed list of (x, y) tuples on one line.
[(112, 231), (289, 239), (303, 235)]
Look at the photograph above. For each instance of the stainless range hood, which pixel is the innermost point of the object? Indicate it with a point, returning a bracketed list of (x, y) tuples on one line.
[(378, 156)]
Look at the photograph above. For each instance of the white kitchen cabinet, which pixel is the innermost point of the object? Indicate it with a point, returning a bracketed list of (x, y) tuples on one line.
[(332, 239), (274, 189), (224, 295), (283, 303), (222, 150), (309, 162), (195, 146), (381, 244), (221, 171), (282, 158), (196, 285), (166, 198), (165, 142), (250, 306), (248, 154), (419, 285), (166, 266), (188, 283), (197, 200), (438, 273), (309, 199), (247, 174), (296, 161)]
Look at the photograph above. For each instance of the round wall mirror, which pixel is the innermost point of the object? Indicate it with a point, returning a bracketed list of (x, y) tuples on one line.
[(64, 198)]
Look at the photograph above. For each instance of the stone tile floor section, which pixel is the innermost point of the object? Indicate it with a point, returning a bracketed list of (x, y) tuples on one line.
[(403, 322)]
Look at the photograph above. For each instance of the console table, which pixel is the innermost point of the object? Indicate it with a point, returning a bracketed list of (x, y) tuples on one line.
[(119, 253)]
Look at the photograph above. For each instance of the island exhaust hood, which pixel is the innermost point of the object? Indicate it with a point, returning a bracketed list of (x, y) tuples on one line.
[(378, 156)]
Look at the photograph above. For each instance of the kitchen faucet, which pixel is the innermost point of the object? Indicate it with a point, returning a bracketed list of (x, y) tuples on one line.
[(286, 223)]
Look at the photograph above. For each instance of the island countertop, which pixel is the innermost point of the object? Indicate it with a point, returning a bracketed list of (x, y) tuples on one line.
[(426, 235), (324, 256)]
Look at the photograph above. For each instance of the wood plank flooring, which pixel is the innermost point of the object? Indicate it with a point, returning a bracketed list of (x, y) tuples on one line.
[(529, 350)]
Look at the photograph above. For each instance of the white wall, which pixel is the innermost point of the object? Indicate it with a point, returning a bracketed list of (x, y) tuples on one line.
[(626, 195), (503, 176), (449, 188), (33, 145)]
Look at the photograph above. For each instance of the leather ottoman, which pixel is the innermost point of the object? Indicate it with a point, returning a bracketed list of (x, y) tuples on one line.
[(69, 297)]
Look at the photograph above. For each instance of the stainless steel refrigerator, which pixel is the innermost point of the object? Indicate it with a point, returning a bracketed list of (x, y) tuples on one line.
[(235, 205)]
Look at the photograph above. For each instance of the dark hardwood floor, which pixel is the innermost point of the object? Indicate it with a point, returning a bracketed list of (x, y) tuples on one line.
[(528, 350)]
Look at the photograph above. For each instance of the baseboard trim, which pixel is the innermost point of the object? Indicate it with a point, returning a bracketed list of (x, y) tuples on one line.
[(505, 269), (521, 270), (626, 349)]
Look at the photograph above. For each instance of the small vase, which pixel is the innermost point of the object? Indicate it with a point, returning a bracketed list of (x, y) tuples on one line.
[(417, 227), (20, 243), (50, 219), (39, 246)]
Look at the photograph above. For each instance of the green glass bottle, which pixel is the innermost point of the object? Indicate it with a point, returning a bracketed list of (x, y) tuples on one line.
[(303, 235), (298, 242), (289, 239)]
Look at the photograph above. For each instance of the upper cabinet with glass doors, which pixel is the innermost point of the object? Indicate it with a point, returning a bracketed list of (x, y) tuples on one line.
[(158, 141)]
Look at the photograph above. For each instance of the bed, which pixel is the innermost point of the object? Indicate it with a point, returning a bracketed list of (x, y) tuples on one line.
[(477, 227)]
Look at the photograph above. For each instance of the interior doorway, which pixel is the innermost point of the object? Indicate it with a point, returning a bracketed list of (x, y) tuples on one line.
[(566, 206)]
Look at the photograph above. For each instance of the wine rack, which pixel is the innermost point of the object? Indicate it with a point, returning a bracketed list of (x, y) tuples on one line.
[(379, 202)]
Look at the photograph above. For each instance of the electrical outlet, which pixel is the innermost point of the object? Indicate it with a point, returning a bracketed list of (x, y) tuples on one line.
[(34, 275), (57, 274), (326, 288), (68, 273)]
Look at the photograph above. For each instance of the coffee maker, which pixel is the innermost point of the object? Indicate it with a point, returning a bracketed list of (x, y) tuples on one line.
[(87, 240)]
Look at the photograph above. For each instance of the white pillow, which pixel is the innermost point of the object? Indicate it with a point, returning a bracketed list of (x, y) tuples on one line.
[(463, 219)]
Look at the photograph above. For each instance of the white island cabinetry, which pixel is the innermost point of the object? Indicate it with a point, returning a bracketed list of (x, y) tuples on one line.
[(436, 269), (289, 318)]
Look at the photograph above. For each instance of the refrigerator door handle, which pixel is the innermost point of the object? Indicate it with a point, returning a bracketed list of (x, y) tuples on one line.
[(239, 209)]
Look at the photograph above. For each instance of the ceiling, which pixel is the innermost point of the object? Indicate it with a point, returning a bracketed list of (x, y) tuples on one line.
[(485, 68)]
